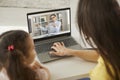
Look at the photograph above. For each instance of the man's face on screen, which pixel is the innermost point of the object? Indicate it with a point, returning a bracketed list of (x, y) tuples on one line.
[(53, 18)]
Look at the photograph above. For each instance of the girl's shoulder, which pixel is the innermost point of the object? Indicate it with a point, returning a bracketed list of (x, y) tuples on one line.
[(3, 75), (42, 73)]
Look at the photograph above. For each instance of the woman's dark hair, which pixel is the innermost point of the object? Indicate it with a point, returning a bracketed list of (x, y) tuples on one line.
[(14, 61), (99, 21)]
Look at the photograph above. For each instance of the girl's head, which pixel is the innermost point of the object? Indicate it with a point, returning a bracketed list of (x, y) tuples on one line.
[(16, 50), (99, 21)]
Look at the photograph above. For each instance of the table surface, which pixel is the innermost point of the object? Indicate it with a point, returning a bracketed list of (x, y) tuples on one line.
[(70, 68)]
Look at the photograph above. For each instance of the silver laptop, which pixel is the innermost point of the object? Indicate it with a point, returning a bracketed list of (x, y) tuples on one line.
[(47, 27)]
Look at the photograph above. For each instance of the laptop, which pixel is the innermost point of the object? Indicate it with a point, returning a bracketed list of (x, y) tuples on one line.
[(46, 31)]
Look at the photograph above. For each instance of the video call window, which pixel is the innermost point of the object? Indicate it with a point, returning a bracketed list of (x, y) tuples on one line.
[(50, 23)]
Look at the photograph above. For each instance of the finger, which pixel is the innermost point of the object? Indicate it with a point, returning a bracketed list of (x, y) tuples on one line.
[(55, 48), (57, 44), (62, 44), (52, 52)]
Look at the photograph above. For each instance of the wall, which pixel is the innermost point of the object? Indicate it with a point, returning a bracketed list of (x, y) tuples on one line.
[(13, 15), (118, 1), (41, 4), (12, 12)]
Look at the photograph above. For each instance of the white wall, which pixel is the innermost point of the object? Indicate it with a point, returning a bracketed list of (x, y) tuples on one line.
[(41, 4), (118, 1), (75, 30), (14, 18)]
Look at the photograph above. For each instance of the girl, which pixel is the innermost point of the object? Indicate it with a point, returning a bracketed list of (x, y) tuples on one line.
[(17, 58), (99, 22)]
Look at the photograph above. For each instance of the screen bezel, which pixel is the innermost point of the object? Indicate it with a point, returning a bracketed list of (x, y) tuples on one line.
[(55, 10)]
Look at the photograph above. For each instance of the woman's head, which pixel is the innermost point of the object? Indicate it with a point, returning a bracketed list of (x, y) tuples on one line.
[(96, 17), (16, 45), (99, 20)]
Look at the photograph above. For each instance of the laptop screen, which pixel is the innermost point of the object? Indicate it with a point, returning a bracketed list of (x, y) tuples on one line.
[(49, 23)]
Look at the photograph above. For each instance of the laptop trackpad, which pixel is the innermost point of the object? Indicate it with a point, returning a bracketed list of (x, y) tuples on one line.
[(45, 57)]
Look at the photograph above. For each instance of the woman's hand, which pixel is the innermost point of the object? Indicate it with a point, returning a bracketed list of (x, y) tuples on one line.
[(59, 49)]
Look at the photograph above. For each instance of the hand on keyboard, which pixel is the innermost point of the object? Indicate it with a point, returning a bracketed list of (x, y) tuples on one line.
[(58, 49), (53, 55)]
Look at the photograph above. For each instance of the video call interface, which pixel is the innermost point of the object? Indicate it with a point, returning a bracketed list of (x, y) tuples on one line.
[(49, 23)]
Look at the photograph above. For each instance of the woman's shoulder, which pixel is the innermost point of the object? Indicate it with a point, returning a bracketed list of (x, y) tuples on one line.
[(100, 71)]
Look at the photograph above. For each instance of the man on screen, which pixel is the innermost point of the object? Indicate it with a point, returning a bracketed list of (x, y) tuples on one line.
[(55, 25)]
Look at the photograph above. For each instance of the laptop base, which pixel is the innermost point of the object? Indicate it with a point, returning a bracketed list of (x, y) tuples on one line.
[(45, 57)]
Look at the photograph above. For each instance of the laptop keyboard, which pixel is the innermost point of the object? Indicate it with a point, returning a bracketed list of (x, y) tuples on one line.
[(47, 46)]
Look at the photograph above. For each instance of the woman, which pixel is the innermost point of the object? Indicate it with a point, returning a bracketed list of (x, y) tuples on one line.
[(99, 22)]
